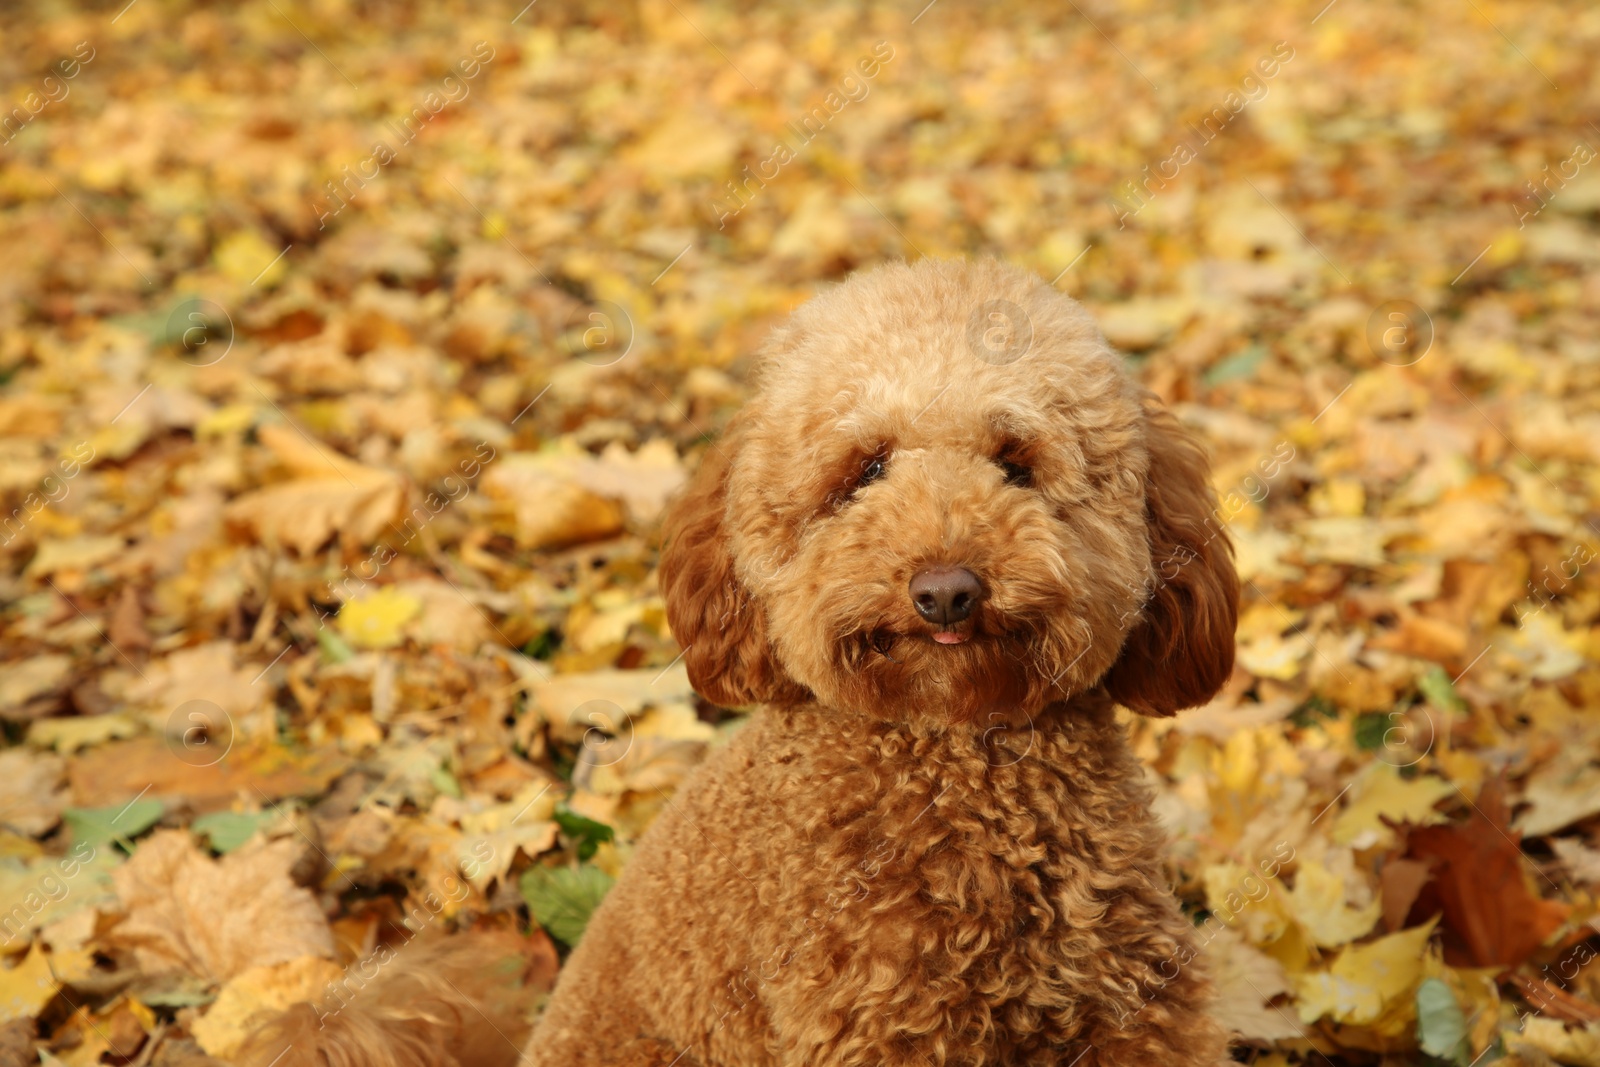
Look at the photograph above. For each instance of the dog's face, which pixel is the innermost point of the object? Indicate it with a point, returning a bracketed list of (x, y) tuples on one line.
[(949, 500)]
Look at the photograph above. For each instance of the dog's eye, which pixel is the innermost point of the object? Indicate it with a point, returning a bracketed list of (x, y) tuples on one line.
[(1017, 473), (868, 470)]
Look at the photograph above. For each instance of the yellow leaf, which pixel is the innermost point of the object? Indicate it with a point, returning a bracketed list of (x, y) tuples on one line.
[(68, 735), (375, 619), (1578, 1047), (1317, 903), (1565, 790), (257, 992), (26, 988), (1366, 980), (1338, 498), (1380, 791), (1246, 980), (242, 256), (1276, 657), (73, 554)]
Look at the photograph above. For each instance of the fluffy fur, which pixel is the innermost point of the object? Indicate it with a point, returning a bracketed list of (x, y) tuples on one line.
[(921, 852), (456, 1002)]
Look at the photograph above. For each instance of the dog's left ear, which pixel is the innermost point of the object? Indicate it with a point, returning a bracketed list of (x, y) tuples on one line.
[(1180, 652), (720, 624)]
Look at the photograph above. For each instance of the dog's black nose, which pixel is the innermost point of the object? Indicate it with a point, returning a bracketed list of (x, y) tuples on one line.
[(945, 595)]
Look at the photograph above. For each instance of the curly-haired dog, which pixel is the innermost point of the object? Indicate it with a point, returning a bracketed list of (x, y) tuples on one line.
[(947, 535)]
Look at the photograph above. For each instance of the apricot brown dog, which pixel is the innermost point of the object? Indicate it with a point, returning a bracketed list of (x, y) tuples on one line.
[(947, 536)]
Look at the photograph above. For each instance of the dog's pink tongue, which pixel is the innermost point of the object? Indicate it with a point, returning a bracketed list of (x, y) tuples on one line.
[(945, 637)]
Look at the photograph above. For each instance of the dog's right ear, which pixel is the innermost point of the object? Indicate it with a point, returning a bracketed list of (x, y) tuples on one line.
[(720, 624), (1180, 652)]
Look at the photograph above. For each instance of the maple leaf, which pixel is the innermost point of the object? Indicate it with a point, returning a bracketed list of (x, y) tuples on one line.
[(1491, 917), (215, 918)]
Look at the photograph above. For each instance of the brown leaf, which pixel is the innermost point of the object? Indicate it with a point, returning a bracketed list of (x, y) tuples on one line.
[(31, 797), (110, 774), (127, 621), (1399, 885), (332, 495), (1554, 1001), (215, 918), (1491, 918)]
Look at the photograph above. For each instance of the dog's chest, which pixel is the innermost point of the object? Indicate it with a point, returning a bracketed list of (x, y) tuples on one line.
[(962, 856)]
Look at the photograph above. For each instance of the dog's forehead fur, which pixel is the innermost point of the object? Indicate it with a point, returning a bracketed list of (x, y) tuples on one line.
[(893, 339), (893, 358)]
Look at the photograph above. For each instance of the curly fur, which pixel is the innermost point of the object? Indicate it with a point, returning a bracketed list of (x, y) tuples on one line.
[(919, 852), (456, 1002)]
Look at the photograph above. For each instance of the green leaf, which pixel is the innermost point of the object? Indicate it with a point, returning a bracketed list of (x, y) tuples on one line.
[(445, 782), (228, 830), (562, 898), (1440, 1024), (1370, 729), (334, 649), (1440, 691), (176, 991), (120, 822), (1316, 707), (586, 831), (1241, 364)]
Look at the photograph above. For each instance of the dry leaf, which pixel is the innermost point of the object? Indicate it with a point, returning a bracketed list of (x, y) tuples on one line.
[(1381, 796), (252, 996), (31, 795), (1246, 981), (331, 495), (1491, 917), (209, 918)]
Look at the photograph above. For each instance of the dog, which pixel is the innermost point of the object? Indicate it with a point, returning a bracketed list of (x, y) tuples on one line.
[(945, 539)]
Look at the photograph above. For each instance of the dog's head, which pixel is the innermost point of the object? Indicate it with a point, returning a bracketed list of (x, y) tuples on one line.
[(948, 499)]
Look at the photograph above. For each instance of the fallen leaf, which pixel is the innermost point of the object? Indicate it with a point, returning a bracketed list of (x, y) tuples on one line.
[(1581, 861), (1490, 916), (27, 987), (1318, 904), (31, 795), (375, 619), (73, 554), (1380, 793), (1365, 981), (257, 993), (1246, 981), (561, 899), (31, 678), (1562, 791), (68, 735), (110, 774), (1441, 1026), (206, 917), (1577, 1047), (331, 494)]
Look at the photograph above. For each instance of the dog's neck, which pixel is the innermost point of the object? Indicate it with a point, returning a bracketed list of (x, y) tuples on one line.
[(999, 737)]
